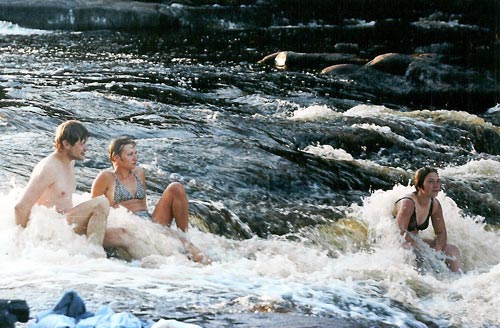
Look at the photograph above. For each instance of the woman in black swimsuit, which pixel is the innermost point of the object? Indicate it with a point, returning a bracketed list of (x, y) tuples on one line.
[(414, 211)]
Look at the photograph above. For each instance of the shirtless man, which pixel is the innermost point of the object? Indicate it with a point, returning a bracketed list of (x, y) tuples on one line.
[(52, 184)]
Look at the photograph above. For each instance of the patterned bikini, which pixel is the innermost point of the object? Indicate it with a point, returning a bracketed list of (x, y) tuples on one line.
[(122, 194)]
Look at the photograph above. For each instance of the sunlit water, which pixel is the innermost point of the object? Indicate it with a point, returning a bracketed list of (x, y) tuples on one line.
[(291, 188)]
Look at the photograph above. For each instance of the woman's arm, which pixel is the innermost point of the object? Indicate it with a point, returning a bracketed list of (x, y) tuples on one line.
[(439, 226), (404, 211), (141, 173), (103, 185)]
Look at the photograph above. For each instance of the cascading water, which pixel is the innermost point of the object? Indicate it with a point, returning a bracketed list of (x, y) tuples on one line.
[(291, 186)]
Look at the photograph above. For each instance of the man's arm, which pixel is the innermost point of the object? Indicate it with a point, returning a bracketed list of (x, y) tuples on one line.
[(39, 182)]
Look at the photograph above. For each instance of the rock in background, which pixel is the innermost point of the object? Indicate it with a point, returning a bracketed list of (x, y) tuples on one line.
[(427, 53)]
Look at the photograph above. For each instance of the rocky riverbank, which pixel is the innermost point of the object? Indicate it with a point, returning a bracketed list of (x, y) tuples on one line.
[(424, 53)]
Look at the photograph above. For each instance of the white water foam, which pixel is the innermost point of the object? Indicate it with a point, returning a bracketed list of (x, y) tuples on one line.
[(315, 112), (458, 297), (483, 168), (257, 274), (8, 28), (328, 152)]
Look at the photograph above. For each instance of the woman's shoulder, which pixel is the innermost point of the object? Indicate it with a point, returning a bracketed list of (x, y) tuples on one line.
[(104, 181), (407, 198), (139, 168), (107, 174), (140, 172), (436, 205), (404, 206)]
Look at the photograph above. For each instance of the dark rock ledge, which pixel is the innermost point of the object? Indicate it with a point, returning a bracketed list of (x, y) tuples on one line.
[(82, 15), (425, 79), (429, 52)]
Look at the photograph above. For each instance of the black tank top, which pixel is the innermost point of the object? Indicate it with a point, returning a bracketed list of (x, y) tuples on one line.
[(412, 225)]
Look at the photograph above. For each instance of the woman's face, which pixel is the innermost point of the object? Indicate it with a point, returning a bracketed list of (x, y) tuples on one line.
[(431, 185), (127, 158)]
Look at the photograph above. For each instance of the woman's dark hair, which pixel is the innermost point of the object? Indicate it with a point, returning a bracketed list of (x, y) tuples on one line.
[(116, 146), (72, 131), (420, 175)]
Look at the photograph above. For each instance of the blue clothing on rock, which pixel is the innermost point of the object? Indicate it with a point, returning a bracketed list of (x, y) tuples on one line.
[(70, 312), (70, 306)]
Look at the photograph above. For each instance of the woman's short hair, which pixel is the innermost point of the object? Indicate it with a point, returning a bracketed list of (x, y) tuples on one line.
[(420, 175), (72, 131), (116, 146)]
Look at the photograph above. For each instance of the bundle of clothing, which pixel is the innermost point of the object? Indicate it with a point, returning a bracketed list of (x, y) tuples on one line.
[(70, 312)]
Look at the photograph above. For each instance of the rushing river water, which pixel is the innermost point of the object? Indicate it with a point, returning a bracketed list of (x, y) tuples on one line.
[(290, 184)]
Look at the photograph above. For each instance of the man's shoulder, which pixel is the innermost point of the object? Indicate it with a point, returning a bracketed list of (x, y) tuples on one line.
[(48, 163), (48, 171)]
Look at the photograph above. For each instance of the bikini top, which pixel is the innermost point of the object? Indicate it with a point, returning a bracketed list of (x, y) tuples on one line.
[(412, 225), (122, 194)]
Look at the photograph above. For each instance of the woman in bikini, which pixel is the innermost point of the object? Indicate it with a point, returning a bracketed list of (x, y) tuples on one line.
[(125, 185), (414, 211)]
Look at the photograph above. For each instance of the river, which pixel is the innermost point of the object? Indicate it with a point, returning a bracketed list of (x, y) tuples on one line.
[(290, 184)]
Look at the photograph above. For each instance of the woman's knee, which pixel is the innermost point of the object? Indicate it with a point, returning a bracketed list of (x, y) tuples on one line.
[(176, 189)]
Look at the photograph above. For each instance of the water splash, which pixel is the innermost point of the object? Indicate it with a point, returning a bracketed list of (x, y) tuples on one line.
[(8, 28)]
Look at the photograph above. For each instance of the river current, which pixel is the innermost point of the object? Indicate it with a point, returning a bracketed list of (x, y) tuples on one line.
[(291, 185)]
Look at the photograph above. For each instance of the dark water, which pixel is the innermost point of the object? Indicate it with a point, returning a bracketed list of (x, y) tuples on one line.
[(262, 152), (206, 113)]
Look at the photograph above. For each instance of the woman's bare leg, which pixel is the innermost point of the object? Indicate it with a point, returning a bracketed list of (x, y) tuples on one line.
[(173, 204), (194, 253), (454, 260)]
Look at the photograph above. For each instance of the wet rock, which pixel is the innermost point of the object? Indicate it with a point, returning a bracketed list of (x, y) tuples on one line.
[(418, 79), (348, 48), (341, 69), (392, 63), (275, 320), (393, 38), (283, 59), (218, 220), (89, 15)]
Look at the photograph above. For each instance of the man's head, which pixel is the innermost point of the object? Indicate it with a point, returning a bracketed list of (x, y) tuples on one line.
[(72, 132)]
